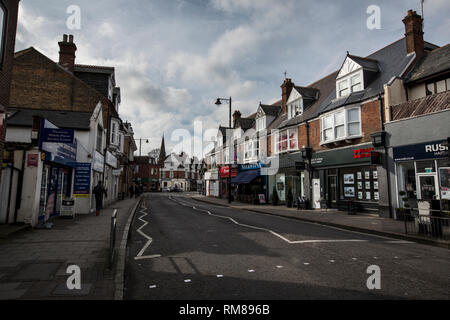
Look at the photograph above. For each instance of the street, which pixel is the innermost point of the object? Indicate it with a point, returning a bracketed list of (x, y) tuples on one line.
[(183, 249)]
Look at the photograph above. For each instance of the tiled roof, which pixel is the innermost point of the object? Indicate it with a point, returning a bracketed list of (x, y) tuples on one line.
[(431, 63), (430, 104), (271, 110), (366, 63), (61, 119), (93, 69)]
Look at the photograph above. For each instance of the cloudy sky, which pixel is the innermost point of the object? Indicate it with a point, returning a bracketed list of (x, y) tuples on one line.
[(173, 58)]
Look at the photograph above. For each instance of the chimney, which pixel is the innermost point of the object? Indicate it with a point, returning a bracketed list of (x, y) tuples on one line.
[(67, 52), (286, 89), (236, 115), (414, 33)]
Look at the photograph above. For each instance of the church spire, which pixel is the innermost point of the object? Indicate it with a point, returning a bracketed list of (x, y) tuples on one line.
[(162, 152)]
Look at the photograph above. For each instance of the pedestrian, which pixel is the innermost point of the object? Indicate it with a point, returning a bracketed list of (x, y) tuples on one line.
[(131, 191), (98, 192)]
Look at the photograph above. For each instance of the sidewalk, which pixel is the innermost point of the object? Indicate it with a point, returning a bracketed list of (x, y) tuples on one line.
[(33, 263), (362, 222)]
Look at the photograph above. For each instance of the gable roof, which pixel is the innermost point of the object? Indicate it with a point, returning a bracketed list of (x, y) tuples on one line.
[(246, 123), (393, 61), (270, 110), (62, 119), (432, 63), (365, 63), (307, 92)]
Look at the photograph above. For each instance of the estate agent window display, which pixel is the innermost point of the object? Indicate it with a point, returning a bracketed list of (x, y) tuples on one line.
[(359, 184)]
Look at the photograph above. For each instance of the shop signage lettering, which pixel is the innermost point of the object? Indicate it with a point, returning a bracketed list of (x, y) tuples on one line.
[(225, 172), (343, 156), (57, 135), (82, 180), (363, 153), (421, 151), (248, 167)]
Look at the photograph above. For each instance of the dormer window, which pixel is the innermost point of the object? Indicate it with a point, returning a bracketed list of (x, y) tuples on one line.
[(261, 123), (295, 108), (355, 71)]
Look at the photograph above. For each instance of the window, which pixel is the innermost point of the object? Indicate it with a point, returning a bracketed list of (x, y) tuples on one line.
[(356, 82), (2, 31), (287, 141), (343, 88), (251, 150), (437, 86), (113, 133), (261, 124), (99, 138), (341, 125), (350, 84), (295, 108)]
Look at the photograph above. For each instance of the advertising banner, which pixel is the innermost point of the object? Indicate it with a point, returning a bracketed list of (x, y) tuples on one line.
[(82, 180)]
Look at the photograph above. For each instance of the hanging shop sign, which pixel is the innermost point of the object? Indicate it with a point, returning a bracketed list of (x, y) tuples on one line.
[(421, 151), (99, 162), (111, 160)]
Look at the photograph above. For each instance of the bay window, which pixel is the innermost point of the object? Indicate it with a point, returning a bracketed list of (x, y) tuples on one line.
[(341, 125), (286, 140)]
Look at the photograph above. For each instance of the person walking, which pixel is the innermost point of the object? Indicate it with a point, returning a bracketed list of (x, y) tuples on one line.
[(98, 192)]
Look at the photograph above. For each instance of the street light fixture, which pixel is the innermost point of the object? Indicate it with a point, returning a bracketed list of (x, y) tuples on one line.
[(140, 144), (219, 103)]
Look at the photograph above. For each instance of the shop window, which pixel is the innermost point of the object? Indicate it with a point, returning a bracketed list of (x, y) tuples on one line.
[(426, 166), (99, 138), (407, 183)]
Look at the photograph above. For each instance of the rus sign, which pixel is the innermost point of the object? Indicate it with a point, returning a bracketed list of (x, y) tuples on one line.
[(421, 151)]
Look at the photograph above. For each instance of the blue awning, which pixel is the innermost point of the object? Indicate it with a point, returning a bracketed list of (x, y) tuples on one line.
[(246, 176)]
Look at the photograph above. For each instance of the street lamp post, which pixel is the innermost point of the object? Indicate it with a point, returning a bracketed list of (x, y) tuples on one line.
[(140, 144), (218, 103)]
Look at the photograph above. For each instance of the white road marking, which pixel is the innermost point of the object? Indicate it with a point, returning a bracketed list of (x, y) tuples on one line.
[(354, 259), (279, 267), (140, 255), (187, 280), (332, 261), (152, 287), (284, 238), (306, 263), (220, 276)]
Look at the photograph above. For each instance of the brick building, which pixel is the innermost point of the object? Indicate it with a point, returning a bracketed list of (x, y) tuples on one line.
[(147, 173), (8, 26)]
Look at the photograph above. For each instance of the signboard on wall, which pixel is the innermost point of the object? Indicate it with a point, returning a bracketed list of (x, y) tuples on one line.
[(343, 156), (421, 151), (99, 162), (82, 180), (55, 150)]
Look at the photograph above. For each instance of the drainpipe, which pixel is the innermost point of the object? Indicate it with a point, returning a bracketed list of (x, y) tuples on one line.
[(310, 170), (386, 161)]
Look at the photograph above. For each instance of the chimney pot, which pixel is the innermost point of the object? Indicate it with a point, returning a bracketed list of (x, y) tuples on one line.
[(67, 53), (414, 33), (286, 89)]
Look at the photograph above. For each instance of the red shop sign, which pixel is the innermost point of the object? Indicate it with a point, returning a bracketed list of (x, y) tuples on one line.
[(225, 172), (363, 153)]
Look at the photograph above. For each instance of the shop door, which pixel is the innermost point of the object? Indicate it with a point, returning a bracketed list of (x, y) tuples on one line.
[(427, 188), (332, 194), (427, 192), (316, 193)]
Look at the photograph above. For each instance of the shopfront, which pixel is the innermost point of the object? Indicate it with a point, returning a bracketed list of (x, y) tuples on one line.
[(249, 184), (212, 183), (59, 150), (224, 178), (290, 176), (422, 175), (345, 178)]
